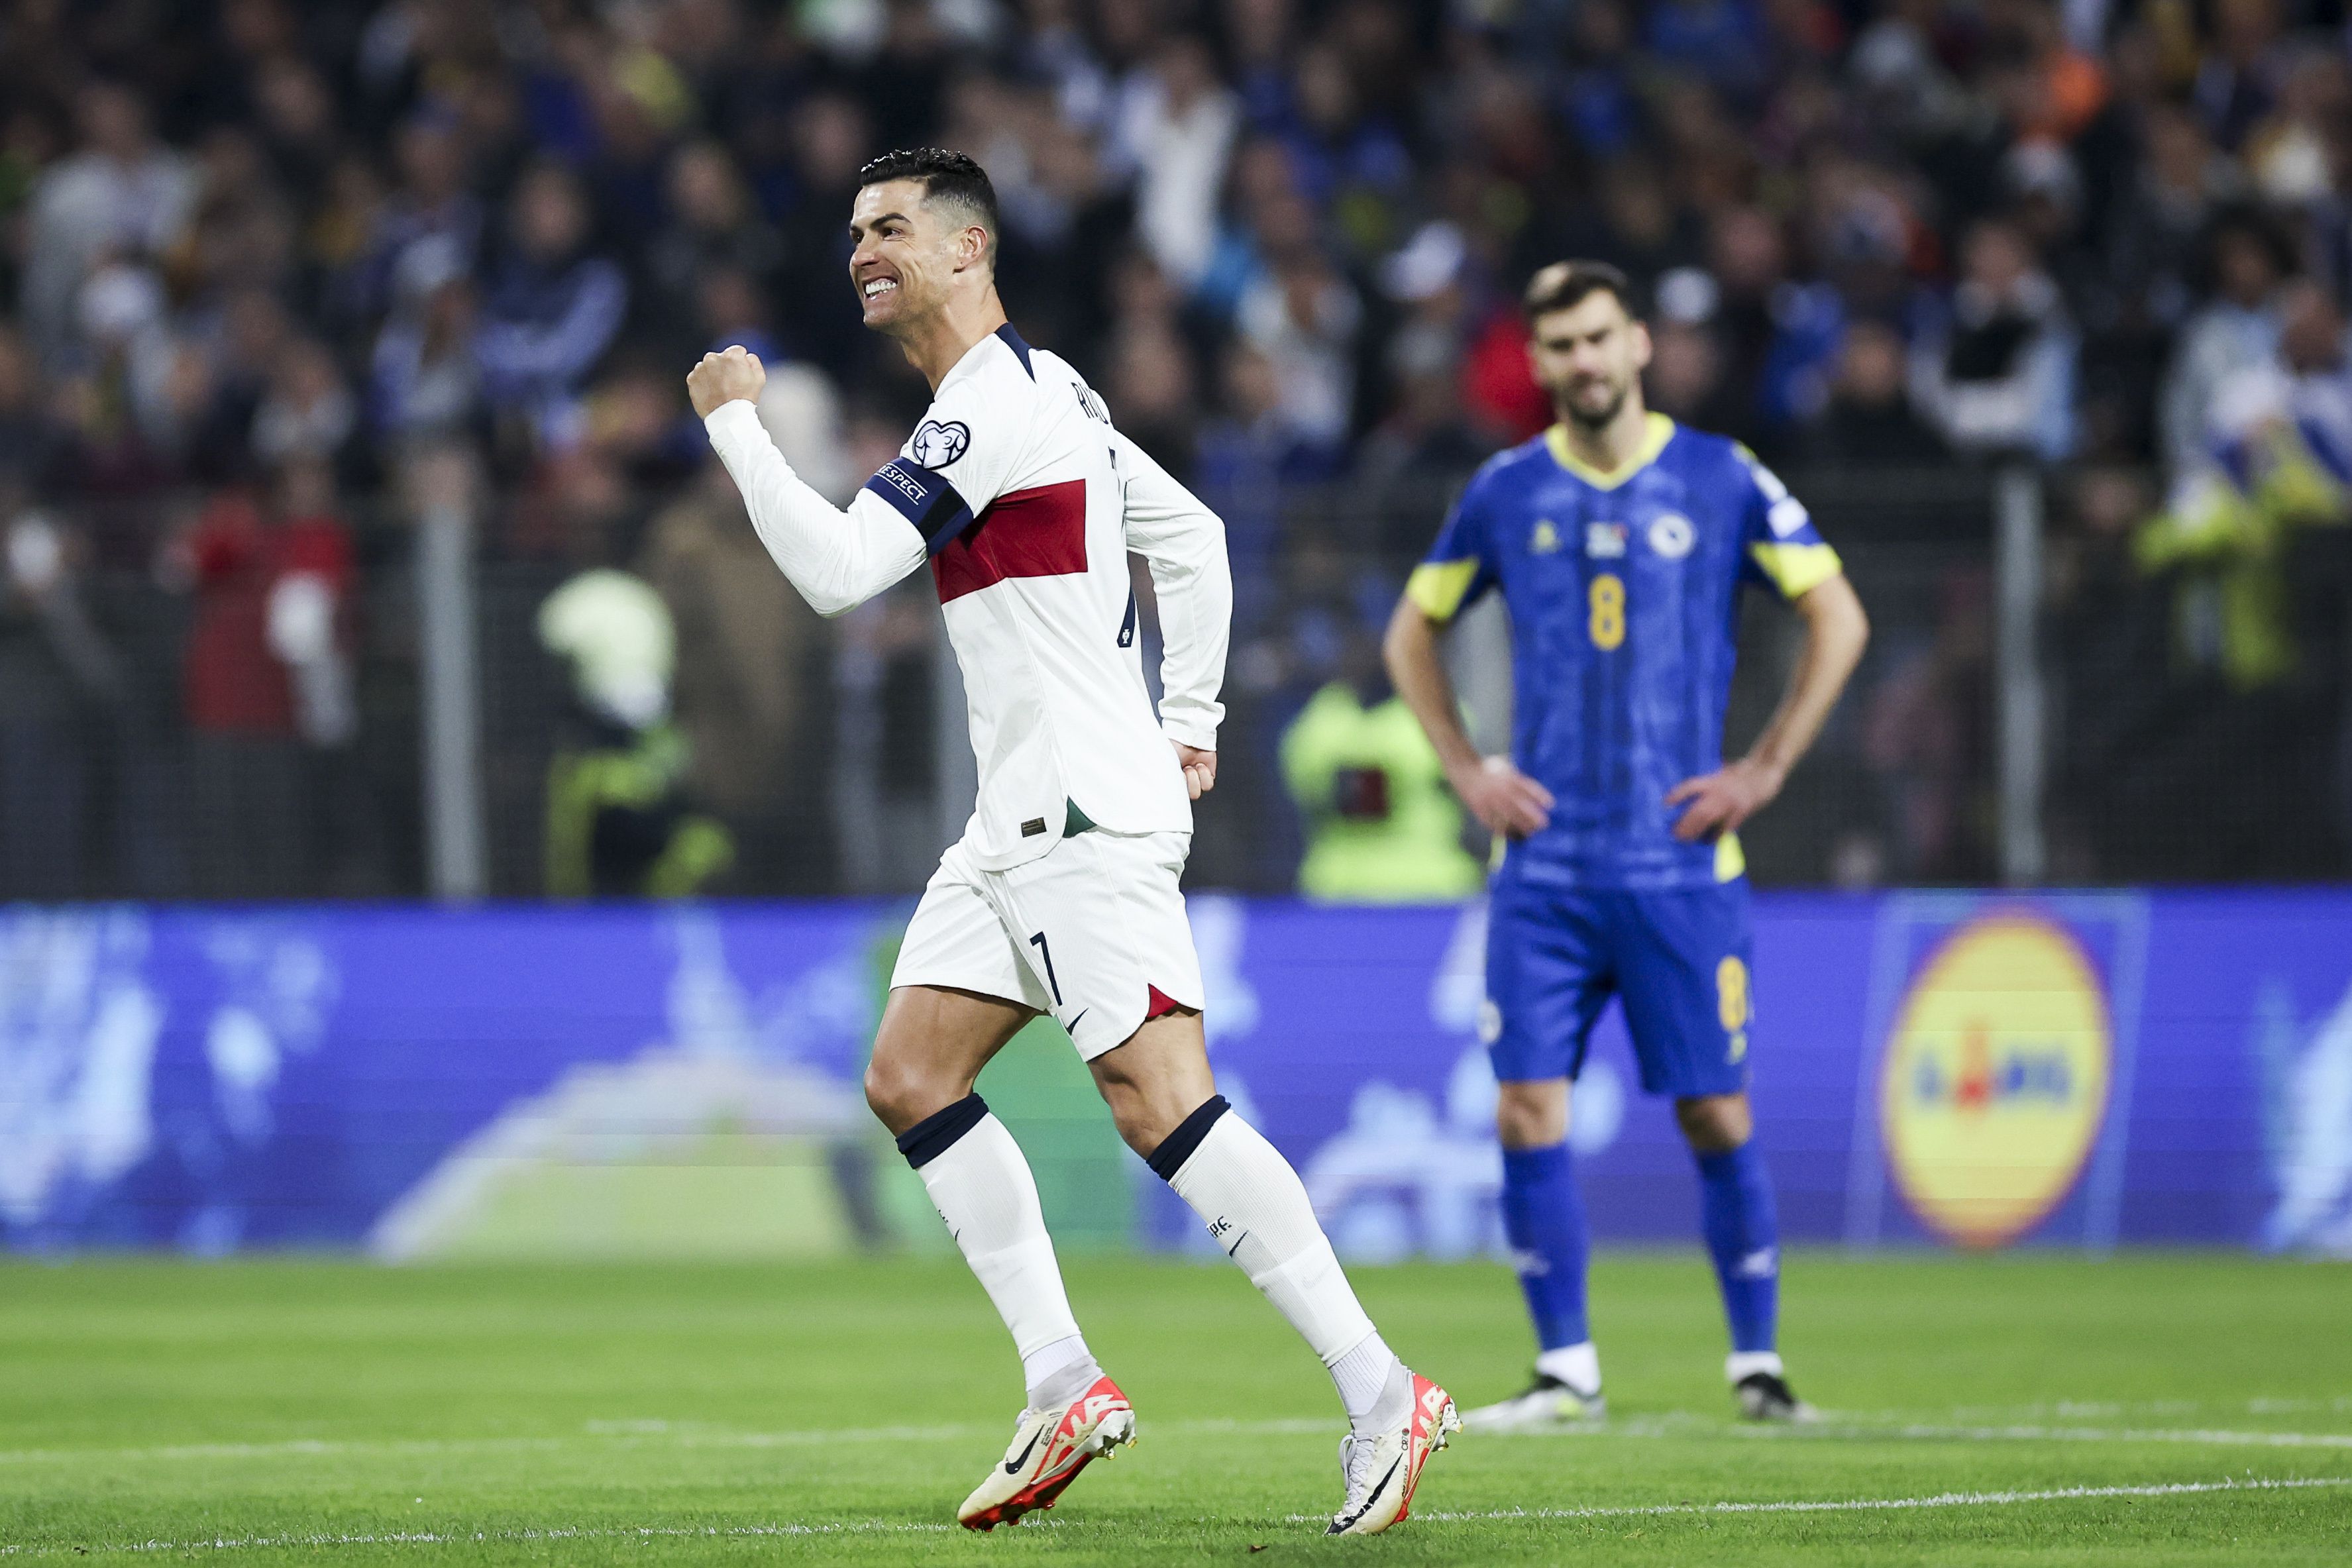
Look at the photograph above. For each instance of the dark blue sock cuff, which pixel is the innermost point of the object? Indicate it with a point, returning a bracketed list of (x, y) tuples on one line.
[(1534, 1164), (932, 1136), (1176, 1146), (1717, 1164)]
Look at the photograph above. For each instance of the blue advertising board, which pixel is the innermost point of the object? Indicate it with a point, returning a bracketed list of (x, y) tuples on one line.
[(1977, 1070)]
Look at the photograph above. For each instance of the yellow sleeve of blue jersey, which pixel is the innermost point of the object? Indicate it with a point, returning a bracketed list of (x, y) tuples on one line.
[(1782, 547), (1458, 568)]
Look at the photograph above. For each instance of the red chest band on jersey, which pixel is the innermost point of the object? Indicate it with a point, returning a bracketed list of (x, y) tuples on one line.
[(1027, 533)]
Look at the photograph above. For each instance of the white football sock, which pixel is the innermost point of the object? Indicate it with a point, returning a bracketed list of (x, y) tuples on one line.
[(983, 1188), (1059, 1373), (1257, 1208), (1742, 1364), (1577, 1365), (1373, 1384)]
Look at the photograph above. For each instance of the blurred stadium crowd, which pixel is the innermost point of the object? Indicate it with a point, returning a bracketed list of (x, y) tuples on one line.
[(260, 256)]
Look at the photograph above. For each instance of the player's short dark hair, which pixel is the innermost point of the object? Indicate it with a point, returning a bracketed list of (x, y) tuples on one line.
[(945, 176), (1564, 284)]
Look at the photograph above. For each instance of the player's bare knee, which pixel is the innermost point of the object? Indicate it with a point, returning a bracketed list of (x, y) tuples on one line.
[(900, 1095), (1532, 1114), (1715, 1123), (1145, 1109), (885, 1094), (1141, 1126), (1155, 1079)]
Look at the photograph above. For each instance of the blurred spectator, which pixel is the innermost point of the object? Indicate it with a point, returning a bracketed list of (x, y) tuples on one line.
[(54, 667), (1927, 735), (2153, 235), (424, 383), (619, 822), (1999, 379), (2277, 458), (1497, 387), (308, 413), (1685, 381), (746, 647), (28, 431), (430, 229), (886, 771), (1246, 458), (2239, 77), (1305, 317), (2236, 330), (1748, 257), (830, 137), (265, 678), (122, 194), (2116, 702), (1175, 126), (551, 309), (1382, 827), (711, 228), (1869, 422), (1153, 392)]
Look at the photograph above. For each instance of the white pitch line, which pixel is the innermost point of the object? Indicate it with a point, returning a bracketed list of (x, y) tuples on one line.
[(2204, 1437), (1841, 1425), (303, 1448), (1875, 1504), (452, 1538), (876, 1526), (601, 1433)]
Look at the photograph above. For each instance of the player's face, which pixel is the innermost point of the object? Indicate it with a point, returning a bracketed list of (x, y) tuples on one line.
[(907, 253), (1589, 357)]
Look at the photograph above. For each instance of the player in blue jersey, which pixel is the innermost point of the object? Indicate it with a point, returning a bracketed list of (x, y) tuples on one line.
[(1620, 542)]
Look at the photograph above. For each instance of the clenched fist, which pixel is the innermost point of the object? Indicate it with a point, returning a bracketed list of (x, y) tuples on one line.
[(1200, 769), (723, 378)]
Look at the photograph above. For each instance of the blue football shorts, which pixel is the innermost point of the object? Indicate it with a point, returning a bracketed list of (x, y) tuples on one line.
[(1680, 960)]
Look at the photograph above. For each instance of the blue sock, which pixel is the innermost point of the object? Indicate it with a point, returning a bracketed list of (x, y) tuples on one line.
[(1543, 1215), (1743, 1238)]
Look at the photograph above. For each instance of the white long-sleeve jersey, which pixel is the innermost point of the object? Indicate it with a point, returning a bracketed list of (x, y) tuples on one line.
[(1025, 500)]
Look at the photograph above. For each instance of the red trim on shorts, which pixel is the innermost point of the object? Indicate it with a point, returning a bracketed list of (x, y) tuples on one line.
[(1161, 1004)]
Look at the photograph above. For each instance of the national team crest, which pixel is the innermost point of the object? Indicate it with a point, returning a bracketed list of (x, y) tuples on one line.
[(1604, 541), (1545, 541), (1672, 535)]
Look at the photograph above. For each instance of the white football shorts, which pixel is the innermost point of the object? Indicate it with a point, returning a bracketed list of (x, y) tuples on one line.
[(1087, 933)]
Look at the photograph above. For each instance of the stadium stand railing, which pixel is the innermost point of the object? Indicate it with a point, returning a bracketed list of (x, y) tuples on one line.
[(2150, 767)]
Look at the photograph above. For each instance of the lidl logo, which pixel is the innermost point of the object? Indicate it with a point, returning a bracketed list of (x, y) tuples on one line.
[(1996, 1079)]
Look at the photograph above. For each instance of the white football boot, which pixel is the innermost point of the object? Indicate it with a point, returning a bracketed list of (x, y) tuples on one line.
[(1383, 1469), (1049, 1448), (1548, 1405)]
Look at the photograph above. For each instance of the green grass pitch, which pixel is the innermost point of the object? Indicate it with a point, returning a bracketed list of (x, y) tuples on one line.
[(2021, 1409)]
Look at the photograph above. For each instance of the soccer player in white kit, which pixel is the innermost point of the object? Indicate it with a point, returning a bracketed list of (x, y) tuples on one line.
[(1062, 896)]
